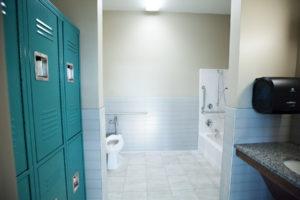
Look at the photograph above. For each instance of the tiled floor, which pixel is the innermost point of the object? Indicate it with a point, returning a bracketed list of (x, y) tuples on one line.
[(163, 176)]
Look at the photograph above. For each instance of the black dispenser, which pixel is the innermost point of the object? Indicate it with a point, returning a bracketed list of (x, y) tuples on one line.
[(276, 95)]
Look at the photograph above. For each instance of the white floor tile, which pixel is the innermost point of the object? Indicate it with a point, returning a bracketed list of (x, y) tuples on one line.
[(154, 160), (139, 160), (114, 196), (166, 195), (200, 181), (208, 193), (187, 159), (185, 195), (169, 160), (121, 172), (155, 172), (136, 171), (215, 179), (134, 196), (179, 183), (179, 175), (174, 170), (158, 184), (135, 184), (115, 184)]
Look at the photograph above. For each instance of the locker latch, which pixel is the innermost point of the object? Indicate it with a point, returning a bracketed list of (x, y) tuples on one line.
[(70, 72), (75, 182), (41, 66)]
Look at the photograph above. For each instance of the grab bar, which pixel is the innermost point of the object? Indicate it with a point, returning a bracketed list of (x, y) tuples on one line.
[(203, 98), (203, 111), (213, 112), (127, 113)]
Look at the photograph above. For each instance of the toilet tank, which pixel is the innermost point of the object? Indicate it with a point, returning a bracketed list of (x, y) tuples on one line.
[(274, 95)]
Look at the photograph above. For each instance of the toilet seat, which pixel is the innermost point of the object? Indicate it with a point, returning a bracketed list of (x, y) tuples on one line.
[(114, 143)]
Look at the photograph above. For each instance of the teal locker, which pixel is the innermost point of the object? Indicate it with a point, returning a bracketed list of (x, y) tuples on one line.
[(52, 183), (75, 169), (44, 72), (24, 189), (48, 106), (72, 79), (14, 86)]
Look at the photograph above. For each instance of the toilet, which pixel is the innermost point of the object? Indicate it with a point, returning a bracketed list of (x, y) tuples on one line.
[(114, 144)]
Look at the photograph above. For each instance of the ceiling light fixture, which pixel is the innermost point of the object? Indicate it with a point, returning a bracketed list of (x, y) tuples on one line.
[(153, 5)]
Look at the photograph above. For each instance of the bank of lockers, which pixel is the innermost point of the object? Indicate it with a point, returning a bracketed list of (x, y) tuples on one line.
[(42, 51)]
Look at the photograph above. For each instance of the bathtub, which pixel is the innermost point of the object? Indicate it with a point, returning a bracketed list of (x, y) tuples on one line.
[(211, 148)]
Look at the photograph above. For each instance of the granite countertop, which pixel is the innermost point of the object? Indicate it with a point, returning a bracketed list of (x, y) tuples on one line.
[(272, 156)]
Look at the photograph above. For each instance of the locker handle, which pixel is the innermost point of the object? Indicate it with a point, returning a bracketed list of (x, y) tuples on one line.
[(41, 66), (75, 180), (70, 72)]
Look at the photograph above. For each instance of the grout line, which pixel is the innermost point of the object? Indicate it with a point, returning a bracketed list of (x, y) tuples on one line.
[(163, 165)]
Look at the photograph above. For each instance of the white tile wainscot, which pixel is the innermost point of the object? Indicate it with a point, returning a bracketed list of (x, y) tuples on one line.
[(93, 121), (239, 181), (170, 123)]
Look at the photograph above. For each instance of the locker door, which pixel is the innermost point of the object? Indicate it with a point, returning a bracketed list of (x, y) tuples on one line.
[(14, 85), (72, 83), (75, 172), (52, 182), (24, 189), (44, 72)]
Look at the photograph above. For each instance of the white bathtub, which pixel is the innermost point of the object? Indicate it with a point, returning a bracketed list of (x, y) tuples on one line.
[(211, 148)]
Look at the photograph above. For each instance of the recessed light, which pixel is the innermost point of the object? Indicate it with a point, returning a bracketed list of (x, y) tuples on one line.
[(153, 5)]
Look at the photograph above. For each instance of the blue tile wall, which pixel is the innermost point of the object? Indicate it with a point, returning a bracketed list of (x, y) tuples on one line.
[(93, 153), (240, 181), (171, 123)]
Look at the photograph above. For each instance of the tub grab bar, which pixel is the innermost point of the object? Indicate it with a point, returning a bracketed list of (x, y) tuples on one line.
[(203, 111)]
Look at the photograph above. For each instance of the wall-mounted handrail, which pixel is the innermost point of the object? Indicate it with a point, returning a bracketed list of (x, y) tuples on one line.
[(203, 99), (127, 113), (213, 112), (203, 111)]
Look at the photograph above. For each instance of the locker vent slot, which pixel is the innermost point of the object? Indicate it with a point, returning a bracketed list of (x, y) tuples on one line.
[(73, 114), (72, 46), (75, 181), (70, 72), (49, 124), (14, 132), (44, 30), (41, 66)]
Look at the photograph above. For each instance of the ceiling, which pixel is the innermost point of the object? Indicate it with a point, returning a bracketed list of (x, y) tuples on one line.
[(186, 6)]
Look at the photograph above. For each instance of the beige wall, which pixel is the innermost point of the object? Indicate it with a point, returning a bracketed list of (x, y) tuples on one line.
[(159, 55), (8, 185), (100, 52), (298, 59), (85, 15), (266, 45)]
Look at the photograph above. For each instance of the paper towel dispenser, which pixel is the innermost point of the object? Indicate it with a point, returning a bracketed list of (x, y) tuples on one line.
[(276, 95)]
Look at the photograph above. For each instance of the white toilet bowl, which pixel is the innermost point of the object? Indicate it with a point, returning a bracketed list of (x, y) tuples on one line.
[(114, 144)]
